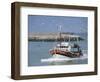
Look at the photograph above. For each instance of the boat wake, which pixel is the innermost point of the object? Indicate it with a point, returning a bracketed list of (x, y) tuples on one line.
[(60, 58)]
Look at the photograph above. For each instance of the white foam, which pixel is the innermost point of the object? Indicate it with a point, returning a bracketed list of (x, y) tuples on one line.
[(59, 58)]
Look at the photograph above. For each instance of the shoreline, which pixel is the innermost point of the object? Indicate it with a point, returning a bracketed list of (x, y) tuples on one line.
[(53, 37)]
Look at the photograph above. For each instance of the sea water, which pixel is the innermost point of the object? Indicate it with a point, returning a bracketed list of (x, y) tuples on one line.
[(38, 54)]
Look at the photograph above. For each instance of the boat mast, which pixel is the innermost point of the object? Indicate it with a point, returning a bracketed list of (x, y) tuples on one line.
[(60, 34), (69, 39)]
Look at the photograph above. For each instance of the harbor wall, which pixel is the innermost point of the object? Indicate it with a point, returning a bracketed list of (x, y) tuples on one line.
[(53, 37)]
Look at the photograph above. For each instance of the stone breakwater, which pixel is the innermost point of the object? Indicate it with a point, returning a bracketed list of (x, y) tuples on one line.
[(53, 37)]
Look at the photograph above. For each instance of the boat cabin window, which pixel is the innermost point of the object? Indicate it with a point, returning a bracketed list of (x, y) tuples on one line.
[(62, 46)]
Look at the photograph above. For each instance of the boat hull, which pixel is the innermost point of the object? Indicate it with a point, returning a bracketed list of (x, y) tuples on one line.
[(66, 53)]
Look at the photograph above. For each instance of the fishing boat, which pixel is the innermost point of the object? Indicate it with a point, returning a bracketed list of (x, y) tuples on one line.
[(66, 48)]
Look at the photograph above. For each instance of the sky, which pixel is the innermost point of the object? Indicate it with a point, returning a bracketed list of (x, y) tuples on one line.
[(43, 23)]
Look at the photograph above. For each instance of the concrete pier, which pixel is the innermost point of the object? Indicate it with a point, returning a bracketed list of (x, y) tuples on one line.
[(53, 37)]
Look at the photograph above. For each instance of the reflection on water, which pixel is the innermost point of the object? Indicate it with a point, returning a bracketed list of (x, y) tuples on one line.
[(62, 63), (69, 62)]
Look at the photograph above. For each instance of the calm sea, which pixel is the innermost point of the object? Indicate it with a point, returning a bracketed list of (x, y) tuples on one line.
[(40, 50)]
